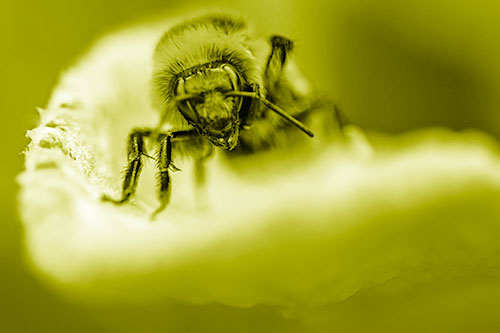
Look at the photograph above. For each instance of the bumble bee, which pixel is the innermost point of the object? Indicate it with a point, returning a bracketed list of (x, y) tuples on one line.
[(216, 86)]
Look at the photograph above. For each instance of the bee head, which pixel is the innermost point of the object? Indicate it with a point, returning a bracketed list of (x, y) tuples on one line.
[(202, 96)]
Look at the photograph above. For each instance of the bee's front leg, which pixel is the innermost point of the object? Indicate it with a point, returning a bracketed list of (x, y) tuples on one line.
[(135, 151), (164, 164)]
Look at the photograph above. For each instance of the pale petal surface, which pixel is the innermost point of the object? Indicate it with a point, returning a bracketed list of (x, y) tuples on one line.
[(310, 228)]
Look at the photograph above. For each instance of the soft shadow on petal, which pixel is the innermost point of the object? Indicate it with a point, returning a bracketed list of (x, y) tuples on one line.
[(419, 209)]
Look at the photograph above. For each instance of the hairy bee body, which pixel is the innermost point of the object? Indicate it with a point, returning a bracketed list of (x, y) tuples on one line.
[(216, 85), (216, 39)]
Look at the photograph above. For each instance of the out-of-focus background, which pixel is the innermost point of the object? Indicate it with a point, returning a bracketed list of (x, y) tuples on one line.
[(391, 65)]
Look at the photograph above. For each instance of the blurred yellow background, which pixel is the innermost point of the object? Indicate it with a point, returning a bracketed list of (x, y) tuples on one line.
[(391, 65)]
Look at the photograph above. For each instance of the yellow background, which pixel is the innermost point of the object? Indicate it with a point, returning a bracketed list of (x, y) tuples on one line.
[(392, 66)]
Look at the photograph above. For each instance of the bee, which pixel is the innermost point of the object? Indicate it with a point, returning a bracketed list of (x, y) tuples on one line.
[(216, 86)]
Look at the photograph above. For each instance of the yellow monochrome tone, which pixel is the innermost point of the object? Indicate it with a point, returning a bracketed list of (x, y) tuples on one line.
[(263, 166)]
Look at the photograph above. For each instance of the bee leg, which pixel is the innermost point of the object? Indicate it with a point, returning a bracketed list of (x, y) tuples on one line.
[(199, 167), (164, 164), (340, 118), (134, 166), (200, 176), (199, 172), (281, 46), (337, 117)]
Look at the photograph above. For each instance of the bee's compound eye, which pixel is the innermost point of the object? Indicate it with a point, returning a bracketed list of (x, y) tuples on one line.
[(233, 77), (180, 91), (188, 111), (184, 105)]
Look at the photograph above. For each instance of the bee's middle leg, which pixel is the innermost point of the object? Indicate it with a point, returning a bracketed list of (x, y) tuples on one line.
[(280, 48)]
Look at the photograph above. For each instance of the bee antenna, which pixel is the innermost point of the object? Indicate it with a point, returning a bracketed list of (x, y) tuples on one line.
[(274, 108)]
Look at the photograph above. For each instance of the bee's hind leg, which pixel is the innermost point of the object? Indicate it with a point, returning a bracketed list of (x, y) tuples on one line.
[(135, 151)]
